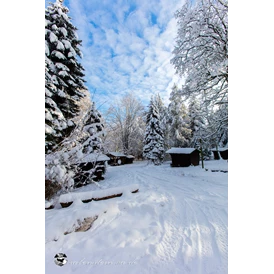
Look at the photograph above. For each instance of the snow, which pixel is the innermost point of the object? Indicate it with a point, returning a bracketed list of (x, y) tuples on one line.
[(117, 154), (180, 150), (53, 38), (64, 31), (70, 197), (220, 149), (93, 157), (59, 54), (49, 129), (63, 73), (176, 223)]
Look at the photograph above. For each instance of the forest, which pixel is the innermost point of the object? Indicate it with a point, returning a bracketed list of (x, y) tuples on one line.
[(196, 116)]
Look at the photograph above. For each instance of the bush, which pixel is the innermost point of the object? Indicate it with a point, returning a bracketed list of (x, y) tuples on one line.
[(51, 189)]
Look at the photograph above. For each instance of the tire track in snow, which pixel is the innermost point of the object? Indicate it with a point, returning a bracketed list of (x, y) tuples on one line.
[(196, 239), (173, 236), (210, 215), (193, 231)]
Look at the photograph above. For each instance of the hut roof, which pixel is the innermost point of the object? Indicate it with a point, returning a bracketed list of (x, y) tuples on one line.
[(117, 154), (181, 150), (94, 157)]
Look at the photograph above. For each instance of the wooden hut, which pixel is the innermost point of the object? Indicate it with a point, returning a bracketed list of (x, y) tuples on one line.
[(184, 156), (129, 159), (92, 161), (223, 152), (116, 158)]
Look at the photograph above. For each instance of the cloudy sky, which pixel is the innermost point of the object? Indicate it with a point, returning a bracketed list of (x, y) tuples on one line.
[(126, 47)]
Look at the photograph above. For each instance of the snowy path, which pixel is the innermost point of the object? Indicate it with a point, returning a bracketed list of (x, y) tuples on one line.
[(176, 223)]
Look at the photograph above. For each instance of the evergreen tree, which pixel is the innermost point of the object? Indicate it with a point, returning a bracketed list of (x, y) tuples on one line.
[(91, 148), (163, 116), (197, 123), (64, 74), (154, 140), (198, 126), (55, 120), (94, 130), (180, 132)]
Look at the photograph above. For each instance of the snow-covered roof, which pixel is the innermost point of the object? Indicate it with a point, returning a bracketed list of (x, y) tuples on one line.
[(181, 150), (117, 154), (93, 157), (130, 156)]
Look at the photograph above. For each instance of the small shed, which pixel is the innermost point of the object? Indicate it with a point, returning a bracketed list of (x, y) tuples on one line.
[(116, 158), (223, 152), (129, 159), (92, 161), (184, 157)]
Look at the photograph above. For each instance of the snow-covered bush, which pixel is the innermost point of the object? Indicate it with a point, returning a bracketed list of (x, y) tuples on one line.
[(60, 167), (72, 168)]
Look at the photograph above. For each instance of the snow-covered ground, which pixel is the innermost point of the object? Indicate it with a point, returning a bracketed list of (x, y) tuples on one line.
[(176, 223)]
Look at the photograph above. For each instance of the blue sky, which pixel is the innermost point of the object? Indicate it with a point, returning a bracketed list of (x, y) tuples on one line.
[(126, 47)]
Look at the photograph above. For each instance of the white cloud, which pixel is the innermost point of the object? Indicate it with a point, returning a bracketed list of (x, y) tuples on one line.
[(123, 50)]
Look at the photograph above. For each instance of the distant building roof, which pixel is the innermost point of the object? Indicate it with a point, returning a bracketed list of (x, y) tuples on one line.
[(116, 154), (181, 150), (94, 157)]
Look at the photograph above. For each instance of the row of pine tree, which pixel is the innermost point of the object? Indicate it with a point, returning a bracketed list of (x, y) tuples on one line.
[(179, 125)]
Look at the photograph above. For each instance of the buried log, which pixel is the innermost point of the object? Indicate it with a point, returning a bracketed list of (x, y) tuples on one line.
[(111, 196), (66, 204), (66, 200), (87, 201), (84, 225), (49, 207), (108, 197)]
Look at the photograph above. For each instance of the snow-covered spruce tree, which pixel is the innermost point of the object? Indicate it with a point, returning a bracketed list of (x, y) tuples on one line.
[(64, 76), (94, 130), (154, 137), (92, 147), (163, 116), (199, 127), (55, 120), (93, 144), (197, 123), (180, 132)]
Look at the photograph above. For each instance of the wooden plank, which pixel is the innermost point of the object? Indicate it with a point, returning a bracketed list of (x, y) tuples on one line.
[(67, 204)]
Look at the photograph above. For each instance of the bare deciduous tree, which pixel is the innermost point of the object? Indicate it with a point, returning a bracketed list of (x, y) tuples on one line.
[(124, 124), (201, 51)]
